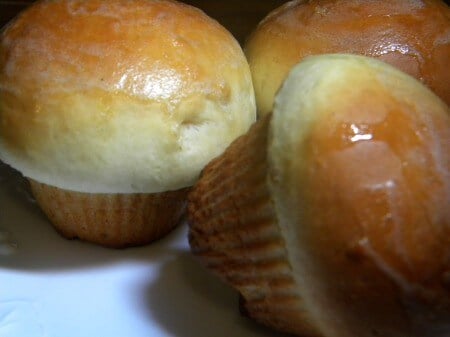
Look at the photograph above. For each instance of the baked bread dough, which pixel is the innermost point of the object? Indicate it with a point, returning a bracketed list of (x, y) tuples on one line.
[(413, 36), (119, 97), (330, 216)]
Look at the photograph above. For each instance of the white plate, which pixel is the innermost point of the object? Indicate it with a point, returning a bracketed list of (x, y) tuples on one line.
[(54, 287)]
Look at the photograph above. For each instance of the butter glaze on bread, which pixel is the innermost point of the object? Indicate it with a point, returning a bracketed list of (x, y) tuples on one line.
[(119, 96), (369, 189), (339, 223), (413, 36)]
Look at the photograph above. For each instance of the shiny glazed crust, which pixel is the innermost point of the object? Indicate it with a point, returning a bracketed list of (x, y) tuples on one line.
[(414, 36), (360, 161), (119, 96), (111, 220), (356, 176)]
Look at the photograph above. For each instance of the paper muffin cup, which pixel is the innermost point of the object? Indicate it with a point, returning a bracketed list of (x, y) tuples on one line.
[(234, 232), (111, 220)]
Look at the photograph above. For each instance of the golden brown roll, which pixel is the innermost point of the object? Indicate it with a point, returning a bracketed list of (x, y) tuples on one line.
[(118, 100), (413, 36), (331, 215)]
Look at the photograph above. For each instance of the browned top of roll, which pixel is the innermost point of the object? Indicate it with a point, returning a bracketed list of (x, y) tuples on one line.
[(119, 96), (412, 35), (359, 157)]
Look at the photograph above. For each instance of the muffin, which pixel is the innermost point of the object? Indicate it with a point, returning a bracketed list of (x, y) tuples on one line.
[(413, 36), (112, 108), (330, 216)]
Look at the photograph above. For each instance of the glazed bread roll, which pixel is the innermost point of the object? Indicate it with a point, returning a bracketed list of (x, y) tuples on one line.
[(331, 215), (125, 99), (413, 36)]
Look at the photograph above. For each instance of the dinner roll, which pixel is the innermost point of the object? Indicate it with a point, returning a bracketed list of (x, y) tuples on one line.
[(331, 215), (414, 36), (119, 97)]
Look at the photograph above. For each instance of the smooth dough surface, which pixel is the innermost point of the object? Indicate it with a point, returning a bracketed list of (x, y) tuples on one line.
[(119, 96), (359, 171)]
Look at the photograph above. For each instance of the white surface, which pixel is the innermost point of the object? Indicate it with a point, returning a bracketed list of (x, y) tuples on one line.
[(54, 287)]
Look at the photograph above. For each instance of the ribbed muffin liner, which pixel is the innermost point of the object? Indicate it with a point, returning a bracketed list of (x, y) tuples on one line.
[(111, 220), (233, 230)]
